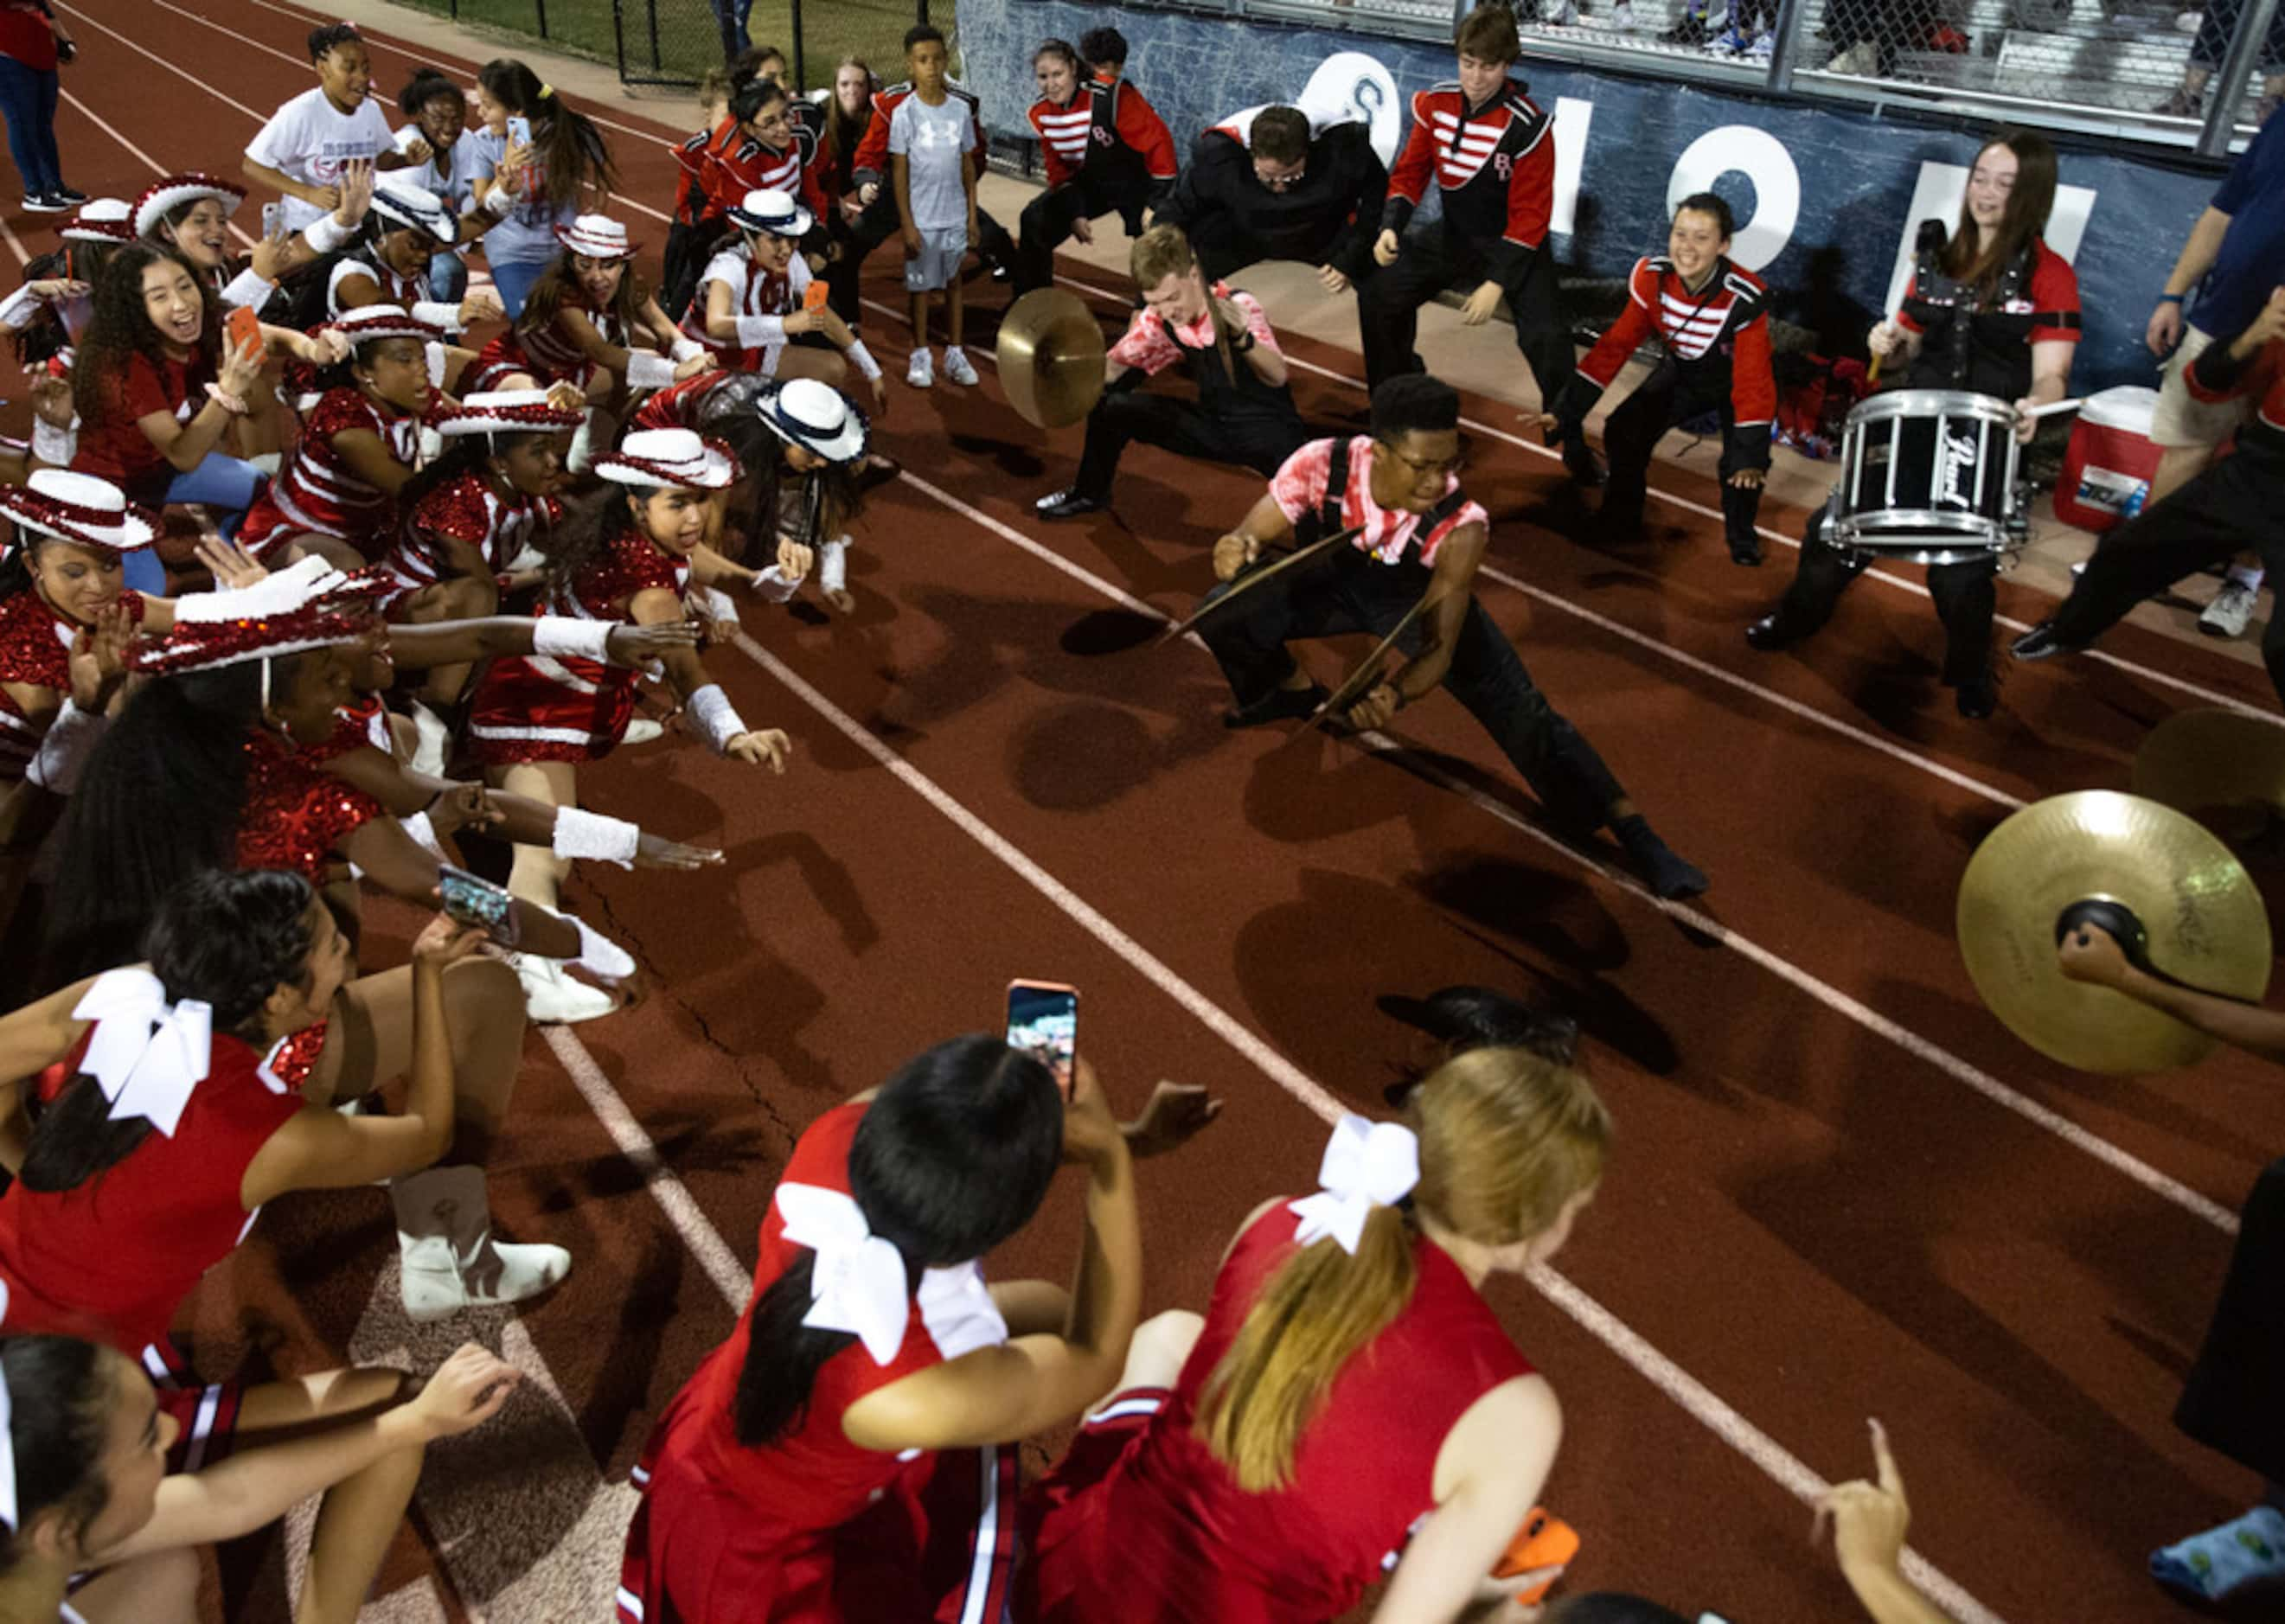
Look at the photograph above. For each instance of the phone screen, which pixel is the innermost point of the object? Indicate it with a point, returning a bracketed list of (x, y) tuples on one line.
[(270, 216), (478, 902), (1044, 1017), (519, 129)]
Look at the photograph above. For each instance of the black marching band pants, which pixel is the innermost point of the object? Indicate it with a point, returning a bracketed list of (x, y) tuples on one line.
[(1662, 401), (1260, 437), (1354, 592), (1047, 219), (2234, 1400), (1389, 301), (2230, 507), (1965, 596)]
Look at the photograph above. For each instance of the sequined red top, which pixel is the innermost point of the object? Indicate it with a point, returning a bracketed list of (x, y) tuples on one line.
[(35, 651), (295, 814)]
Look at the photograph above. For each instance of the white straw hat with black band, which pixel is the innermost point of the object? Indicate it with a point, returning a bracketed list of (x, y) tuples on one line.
[(598, 237), (814, 416), (771, 211), (102, 220), (406, 206), (79, 508), (170, 193), (659, 457), (506, 411)]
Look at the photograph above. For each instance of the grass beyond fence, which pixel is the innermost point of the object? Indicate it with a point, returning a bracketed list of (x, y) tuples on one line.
[(687, 39)]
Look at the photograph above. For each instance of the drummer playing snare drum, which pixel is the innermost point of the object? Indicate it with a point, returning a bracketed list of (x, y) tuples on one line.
[(1993, 311)]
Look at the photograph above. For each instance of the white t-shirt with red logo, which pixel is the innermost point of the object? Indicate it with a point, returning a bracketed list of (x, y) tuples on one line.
[(311, 140)]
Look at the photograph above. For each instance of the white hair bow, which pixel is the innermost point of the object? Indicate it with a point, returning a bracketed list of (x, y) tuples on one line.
[(146, 1054), (857, 1283), (1367, 1165)]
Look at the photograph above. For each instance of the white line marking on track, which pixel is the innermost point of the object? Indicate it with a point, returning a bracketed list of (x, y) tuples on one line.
[(2183, 685)]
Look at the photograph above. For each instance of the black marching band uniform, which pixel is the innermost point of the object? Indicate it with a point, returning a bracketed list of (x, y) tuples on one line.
[(1328, 217), (1983, 346)]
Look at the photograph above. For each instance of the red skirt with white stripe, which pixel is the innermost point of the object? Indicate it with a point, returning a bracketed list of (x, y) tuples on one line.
[(940, 1543), (539, 707)]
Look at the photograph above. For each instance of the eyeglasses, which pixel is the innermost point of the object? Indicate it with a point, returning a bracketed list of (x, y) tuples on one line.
[(1446, 469), (1285, 182)]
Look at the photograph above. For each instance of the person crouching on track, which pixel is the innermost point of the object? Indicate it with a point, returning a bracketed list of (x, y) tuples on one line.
[(753, 302), (107, 1509), (625, 556), (1418, 537), (1350, 1393), (1711, 321), (1243, 413), (805, 1473), (1994, 311), (1106, 149), (2232, 505)]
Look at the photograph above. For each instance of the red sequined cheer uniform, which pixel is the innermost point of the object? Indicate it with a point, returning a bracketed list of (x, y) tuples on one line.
[(317, 492), (466, 510), (35, 653)]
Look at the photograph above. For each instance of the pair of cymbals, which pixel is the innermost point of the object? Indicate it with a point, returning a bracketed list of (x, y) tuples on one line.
[(1050, 356), (2180, 903)]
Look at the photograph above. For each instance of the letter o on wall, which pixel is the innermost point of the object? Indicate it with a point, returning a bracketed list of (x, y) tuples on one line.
[(1761, 158)]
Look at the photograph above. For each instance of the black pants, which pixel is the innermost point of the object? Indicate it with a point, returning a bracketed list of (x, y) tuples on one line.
[(876, 226), (1664, 399), (689, 248), (1965, 596), (1388, 308), (1353, 593), (2231, 506), (1251, 437), (2234, 1400), (1224, 246), (1047, 219)]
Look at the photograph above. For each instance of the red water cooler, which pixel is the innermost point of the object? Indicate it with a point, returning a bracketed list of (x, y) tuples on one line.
[(2107, 471)]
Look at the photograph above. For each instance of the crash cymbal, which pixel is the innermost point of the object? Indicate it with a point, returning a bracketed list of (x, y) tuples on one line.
[(1050, 358), (2200, 761), (2200, 915)]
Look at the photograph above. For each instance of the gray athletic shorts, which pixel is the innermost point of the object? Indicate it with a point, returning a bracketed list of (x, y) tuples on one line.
[(937, 264)]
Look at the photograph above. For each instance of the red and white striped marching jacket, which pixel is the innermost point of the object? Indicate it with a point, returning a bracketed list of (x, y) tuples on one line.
[(744, 165), (1104, 116), (1495, 164), (1724, 325)]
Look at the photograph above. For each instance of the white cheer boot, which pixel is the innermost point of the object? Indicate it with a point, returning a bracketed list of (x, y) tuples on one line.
[(549, 995), (448, 1258)]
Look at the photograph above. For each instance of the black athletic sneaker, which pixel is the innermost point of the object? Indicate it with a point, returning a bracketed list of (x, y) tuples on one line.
[(1067, 505), (2041, 642), (70, 195), (1977, 700), (44, 203)]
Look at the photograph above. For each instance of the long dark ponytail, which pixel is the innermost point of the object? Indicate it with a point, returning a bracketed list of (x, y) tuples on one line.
[(227, 937), (572, 152), (954, 1157)]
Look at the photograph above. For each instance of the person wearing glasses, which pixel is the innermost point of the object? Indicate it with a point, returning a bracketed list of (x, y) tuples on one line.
[(1410, 570), (1271, 183)]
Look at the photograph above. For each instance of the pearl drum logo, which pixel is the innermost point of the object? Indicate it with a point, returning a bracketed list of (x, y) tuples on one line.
[(1956, 471)]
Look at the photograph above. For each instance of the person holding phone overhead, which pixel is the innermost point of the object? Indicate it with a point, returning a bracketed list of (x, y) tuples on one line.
[(1349, 1393), (798, 1476), (307, 145), (538, 166)]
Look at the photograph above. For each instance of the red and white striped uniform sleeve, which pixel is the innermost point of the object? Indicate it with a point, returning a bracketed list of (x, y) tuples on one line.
[(318, 490), (1626, 334)]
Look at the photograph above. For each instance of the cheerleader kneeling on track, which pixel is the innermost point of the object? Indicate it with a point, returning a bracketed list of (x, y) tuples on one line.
[(90, 1461), (627, 555), (1350, 1401), (753, 302), (804, 1475)]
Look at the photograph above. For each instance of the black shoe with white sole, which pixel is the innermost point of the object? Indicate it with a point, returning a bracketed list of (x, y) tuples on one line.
[(2042, 642)]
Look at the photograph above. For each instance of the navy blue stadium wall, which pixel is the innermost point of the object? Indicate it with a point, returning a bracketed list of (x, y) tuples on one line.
[(1828, 195)]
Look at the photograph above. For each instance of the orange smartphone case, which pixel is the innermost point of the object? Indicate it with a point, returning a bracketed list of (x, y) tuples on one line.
[(1543, 1541), (814, 296), (245, 327)]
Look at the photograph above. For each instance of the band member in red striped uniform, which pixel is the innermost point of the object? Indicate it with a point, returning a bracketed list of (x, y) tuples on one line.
[(1711, 320), (589, 321), (1106, 150), (626, 555), (752, 302), (1491, 151), (1419, 545), (803, 1475), (336, 498), (1350, 1403), (105, 1506), (772, 154)]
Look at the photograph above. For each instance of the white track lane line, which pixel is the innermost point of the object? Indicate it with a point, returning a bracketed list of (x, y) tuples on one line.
[(1806, 713), (2183, 685)]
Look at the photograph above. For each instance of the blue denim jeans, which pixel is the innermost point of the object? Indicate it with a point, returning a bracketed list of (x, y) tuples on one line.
[(733, 15), (448, 278), (514, 278), (27, 101)]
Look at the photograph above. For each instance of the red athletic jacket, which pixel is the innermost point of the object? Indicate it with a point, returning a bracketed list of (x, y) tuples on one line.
[(1108, 117), (1720, 333), (872, 163), (1495, 164), (2215, 376)]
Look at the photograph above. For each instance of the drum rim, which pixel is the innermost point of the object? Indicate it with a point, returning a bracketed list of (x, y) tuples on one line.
[(1869, 528), (1931, 404)]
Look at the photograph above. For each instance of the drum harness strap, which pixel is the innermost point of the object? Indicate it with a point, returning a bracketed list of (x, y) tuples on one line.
[(1328, 514), (1936, 287)]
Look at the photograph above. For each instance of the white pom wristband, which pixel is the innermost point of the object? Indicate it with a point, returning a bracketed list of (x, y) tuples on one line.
[(568, 634), (772, 583), (580, 834), (424, 832), (324, 234), (685, 349), (648, 370), (52, 445), (715, 604), (713, 719), (760, 331), (499, 201), (437, 313), (861, 359), (833, 565), (64, 749)]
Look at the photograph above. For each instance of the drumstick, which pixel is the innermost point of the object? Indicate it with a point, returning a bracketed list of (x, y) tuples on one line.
[(1247, 584), (2052, 408), (1362, 680)]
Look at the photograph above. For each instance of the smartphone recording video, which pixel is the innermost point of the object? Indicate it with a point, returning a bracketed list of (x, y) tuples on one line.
[(1043, 1019), (472, 900)]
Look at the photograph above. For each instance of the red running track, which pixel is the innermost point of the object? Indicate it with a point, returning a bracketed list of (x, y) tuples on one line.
[(1842, 1189)]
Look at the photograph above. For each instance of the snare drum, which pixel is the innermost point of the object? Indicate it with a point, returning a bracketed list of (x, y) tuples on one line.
[(1928, 475)]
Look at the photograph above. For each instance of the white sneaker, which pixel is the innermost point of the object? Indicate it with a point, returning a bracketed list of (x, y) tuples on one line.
[(448, 1260), (2231, 610), (922, 373), (549, 995), (642, 730), (958, 367)]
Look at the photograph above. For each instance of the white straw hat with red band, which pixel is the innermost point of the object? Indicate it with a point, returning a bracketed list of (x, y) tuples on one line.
[(307, 605), (410, 208), (500, 411), (369, 323), (658, 456), (163, 197), (771, 211), (102, 220), (598, 237), (80, 508)]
